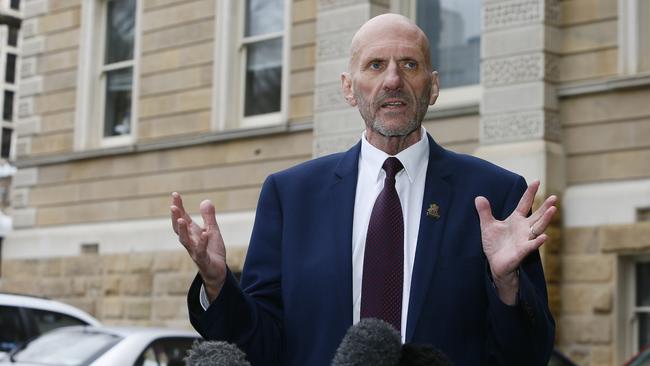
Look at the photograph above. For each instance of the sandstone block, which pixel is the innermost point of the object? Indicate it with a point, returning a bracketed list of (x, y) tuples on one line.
[(301, 107), (62, 40), (58, 101), (586, 329), (78, 286), (188, 78), (587, 268), (165, 308), (581, 11), (174, 125), (303, 33), (303, 58), (140, 263), (625, 237), (193, 100), (115, 263), (56, 287), (172, 283), (111, 285), (590, 65), (184, 12), (602, 355), (304, 10), (59, 21), (53, 143), (168, 261), (590, 36), (137, 309), (51, 267), (82, 266), (175, 58), (112, 308), (87, 305), (581, 240), (178, 36), (140, 284), (608, 166), (302, 82)]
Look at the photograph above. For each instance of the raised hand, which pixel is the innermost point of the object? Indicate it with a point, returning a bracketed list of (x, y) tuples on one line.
[(204, 244), (506, 243)]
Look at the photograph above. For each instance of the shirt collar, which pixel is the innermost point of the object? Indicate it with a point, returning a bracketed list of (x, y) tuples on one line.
[(412, 158)]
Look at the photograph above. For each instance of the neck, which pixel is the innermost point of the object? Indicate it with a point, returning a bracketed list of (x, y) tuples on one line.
[(393, 145)]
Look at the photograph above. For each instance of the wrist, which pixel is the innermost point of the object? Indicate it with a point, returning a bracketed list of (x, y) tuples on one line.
[(507, 286)]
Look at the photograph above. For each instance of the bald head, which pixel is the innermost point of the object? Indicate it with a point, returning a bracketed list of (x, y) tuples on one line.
[(386, 28)]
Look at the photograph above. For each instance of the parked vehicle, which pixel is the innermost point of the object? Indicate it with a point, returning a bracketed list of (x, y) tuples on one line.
[(24, 317), (105, 346), (558, 359), (640, 359)]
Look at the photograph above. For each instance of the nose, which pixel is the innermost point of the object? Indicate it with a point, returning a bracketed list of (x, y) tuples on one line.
[(393, 77)]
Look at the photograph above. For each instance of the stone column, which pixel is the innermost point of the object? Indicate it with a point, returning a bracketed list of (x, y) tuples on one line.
[(337, 126), (519, 126)]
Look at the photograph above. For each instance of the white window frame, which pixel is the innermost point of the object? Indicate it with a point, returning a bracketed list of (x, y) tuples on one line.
[(456, 97), (90, 103), (629, 33), (4, 50), (230, 69), (628, 332)]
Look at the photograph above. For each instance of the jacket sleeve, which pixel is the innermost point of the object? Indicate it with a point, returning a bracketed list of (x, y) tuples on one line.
[(522, 334), (250, 315)]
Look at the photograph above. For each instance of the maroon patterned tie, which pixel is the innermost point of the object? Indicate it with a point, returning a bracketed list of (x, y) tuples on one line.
[(383, 260)]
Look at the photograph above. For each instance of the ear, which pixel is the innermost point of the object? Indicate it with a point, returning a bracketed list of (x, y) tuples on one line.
[(435, 88), (346, 89)]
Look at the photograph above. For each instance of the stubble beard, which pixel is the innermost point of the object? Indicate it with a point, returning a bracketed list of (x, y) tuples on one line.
[(380, 126)]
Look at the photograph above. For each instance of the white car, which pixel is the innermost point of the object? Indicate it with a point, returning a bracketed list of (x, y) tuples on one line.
[(24, 317), (105, 346)]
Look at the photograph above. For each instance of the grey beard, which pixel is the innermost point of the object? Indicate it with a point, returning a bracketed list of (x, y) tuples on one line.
[(404, 131)]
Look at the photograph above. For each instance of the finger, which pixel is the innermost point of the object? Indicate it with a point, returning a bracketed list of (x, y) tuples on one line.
[(526, 201), (201, 248), (530, 246), (540, 225), (484, 210), (184, 235), (208, 214), (550, 201), (178, 202), (175, 214)]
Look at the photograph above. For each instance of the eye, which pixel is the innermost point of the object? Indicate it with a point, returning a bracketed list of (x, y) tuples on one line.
[(410, 65), (374, 65)]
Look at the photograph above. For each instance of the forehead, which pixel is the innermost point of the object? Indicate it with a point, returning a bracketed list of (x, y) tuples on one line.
[(390, 50)]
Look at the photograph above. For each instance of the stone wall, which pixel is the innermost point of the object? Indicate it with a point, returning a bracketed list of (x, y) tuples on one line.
[(118, 289)]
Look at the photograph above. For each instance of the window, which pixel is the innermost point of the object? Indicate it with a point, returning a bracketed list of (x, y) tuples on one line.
[(48, 320), (12, 331), (15, 4), (454, 32), (106, 103), (8, 75), (251, 85), (634, 36), (634, 314)]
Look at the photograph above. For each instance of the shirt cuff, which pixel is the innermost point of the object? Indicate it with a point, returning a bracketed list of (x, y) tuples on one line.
[(203, 298)]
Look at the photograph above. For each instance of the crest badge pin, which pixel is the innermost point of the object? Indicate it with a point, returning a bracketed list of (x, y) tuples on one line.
[(433, 211)]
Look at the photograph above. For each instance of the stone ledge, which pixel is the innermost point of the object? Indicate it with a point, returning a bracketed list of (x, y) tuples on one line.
[(630, 237), (603, 86), (170, 143)]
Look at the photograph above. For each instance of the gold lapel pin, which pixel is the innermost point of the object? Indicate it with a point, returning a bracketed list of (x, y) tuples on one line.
[(433, 211)]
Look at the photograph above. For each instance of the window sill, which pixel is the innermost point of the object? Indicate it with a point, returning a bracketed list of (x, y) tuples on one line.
[(171, 143), (603, 85)]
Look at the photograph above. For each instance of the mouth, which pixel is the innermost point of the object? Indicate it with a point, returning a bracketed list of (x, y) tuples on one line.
[(393, 104)]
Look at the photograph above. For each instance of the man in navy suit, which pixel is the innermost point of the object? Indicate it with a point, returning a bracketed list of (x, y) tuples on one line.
[(469, 276)]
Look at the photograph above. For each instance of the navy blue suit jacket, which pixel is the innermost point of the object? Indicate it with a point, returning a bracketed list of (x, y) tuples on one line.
[(294, 303)]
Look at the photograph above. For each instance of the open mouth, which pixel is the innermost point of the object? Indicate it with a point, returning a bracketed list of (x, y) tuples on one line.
[(393, 104)]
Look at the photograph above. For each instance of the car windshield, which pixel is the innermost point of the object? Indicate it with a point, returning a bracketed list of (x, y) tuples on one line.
[(66, 348)]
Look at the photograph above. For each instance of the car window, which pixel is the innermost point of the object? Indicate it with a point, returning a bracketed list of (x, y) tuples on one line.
[(66, 348), (12, 331), (166, 352), (47, 320)]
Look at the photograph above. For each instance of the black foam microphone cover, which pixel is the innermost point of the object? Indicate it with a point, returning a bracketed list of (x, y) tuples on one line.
[(215, 353), (371, 342)]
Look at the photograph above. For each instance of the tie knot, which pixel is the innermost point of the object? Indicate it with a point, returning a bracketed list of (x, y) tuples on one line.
[(392, 166)]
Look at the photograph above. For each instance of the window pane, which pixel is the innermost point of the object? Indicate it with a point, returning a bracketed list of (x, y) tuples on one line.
[(644, 35), (8, 111), (643, 284), (5, 149), (13, 36), (264, 16), (120, 30), (10, 74), (15, 4), (644, 330), (263, 77), (454, 31), (117, 116), (12, 331), (48, 320)]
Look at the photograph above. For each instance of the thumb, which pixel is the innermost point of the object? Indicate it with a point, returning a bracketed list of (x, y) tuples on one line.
[(484, 210), (208, 214)]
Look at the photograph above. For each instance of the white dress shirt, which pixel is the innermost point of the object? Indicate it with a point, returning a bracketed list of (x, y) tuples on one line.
[(410, 189)]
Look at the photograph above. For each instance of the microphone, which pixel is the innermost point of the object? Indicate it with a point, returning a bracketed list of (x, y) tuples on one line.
[(215, 353), (370, 342), (421, 355)]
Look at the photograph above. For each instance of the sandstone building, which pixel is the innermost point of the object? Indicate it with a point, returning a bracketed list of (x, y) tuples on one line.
[(120, 102)]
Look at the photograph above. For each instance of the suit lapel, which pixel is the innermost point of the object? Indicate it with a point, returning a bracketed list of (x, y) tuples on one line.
[(438, 192), (342, 196)]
